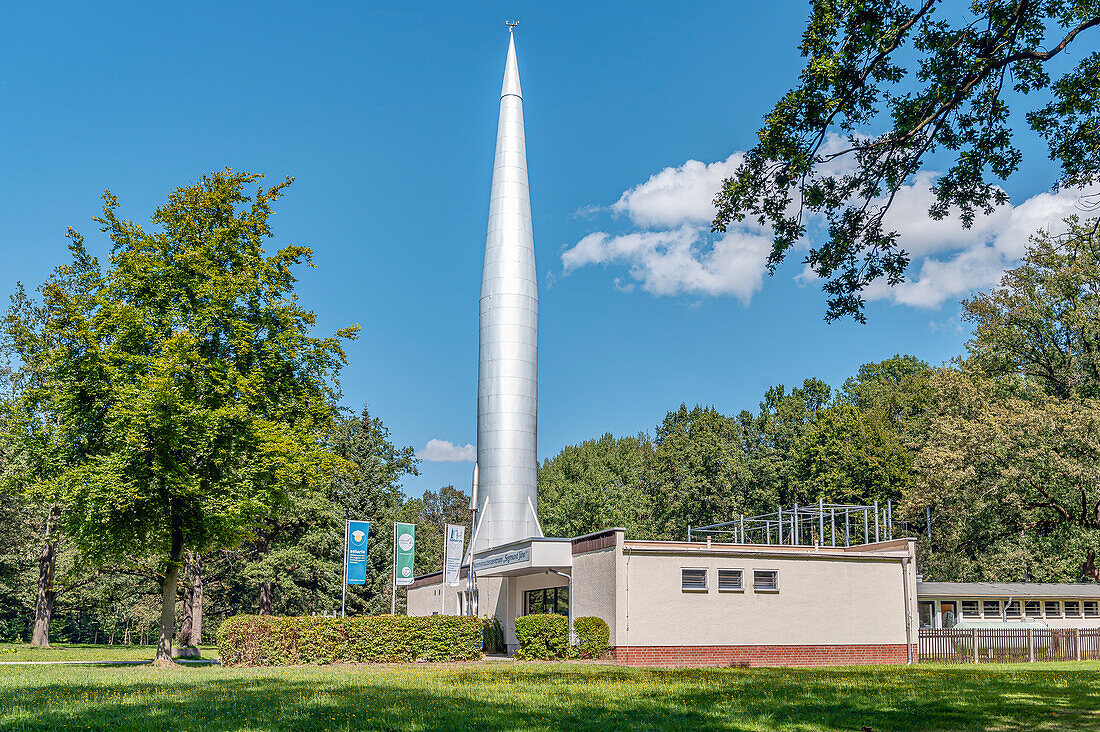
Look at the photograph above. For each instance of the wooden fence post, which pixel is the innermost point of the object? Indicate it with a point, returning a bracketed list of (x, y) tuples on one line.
[(974, 642), (1031, 645), (1077, 643)]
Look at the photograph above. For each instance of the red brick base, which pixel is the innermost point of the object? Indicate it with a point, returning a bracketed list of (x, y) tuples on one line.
[(833, 655)]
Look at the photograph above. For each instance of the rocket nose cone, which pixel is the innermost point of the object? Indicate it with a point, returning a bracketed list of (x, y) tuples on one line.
[(511, 71)]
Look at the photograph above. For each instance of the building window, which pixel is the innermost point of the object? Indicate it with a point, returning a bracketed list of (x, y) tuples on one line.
[(991, 608), (924, 614), (1092, 609), (553, 600), (693, 580), (765, 580), (1053, 608), (1033, 609), (1012, 609), (730, 580), (1073, 609), (970, 608)]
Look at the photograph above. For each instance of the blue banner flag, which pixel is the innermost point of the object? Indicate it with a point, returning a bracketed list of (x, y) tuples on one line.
[(356, 558)]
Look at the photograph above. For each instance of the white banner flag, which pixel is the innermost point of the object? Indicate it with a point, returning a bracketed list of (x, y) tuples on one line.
[(452, 561)]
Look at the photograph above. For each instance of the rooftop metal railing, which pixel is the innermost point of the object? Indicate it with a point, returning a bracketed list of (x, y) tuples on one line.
[(823, 524)]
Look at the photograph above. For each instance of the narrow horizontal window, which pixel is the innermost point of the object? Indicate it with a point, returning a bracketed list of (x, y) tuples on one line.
[(1033, 608), (730, 580), (765, 579), (1073, 609), (1092, 609), (693, 579), (991, 608), (970, 608), (1053, 608), (1012, 609)]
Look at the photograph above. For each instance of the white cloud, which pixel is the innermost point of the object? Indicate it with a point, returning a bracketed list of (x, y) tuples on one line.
[(685, 260), (678, 195), (670, 250), (973, 263), (442, 451)]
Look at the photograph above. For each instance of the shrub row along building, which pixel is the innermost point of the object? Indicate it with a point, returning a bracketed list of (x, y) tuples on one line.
[(777, 590)]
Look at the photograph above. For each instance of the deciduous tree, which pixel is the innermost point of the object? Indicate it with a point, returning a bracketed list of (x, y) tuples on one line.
[(888, 84), (193, 376)]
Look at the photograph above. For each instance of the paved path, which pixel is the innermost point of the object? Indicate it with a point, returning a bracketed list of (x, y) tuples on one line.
[(192, 661)]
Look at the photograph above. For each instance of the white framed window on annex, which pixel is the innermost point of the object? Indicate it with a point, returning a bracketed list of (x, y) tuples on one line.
[(765, 580), (694, 579)]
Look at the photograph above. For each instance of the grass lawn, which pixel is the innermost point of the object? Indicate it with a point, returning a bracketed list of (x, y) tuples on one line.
[(514, 696), (85, 652)]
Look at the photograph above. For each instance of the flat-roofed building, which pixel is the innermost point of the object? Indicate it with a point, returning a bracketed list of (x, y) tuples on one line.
[(679, 603), (1055, 605)]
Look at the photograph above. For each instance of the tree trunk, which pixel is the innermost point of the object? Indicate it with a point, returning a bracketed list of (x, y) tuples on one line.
[(191, 627), (196, 602), (184, 638), (47, 564), (168, 599), (267, 597)]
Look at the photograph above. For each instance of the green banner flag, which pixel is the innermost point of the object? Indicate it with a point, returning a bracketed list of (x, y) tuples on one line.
[(404, 542)]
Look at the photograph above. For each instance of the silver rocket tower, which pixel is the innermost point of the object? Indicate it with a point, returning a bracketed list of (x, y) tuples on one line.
[(507, 371)]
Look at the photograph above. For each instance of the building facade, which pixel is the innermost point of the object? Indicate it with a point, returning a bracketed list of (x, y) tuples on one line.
[(700, 603)]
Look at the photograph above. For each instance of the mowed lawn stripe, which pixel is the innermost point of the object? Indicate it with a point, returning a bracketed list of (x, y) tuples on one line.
[(551, 697)]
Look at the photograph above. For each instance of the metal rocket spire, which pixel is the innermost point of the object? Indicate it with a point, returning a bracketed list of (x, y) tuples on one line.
[(507, 381)]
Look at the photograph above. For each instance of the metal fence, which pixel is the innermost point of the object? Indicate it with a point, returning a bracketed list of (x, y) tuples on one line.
[(1001, 645), (823, 524)]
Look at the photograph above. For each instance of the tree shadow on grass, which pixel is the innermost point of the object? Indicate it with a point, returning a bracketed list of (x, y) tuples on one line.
[(547, 697)]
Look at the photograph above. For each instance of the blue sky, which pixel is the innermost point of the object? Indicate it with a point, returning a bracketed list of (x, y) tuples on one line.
[(387, 116)]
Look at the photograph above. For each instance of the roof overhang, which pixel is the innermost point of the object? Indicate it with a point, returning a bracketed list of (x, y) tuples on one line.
[(527, 556)]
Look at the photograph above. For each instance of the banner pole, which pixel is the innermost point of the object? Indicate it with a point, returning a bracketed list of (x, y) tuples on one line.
[(393, 574), (344, 589), (443, 575)]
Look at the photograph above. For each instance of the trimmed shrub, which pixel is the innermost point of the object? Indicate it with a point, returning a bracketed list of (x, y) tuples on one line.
[(264, 640), (593, 636), (493, 635), (543, 637)]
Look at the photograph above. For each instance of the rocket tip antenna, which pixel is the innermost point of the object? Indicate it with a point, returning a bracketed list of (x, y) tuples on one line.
[(511, 24)]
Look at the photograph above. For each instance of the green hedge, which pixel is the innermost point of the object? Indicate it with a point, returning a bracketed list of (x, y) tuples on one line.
[(265, 640), (542, 637), (593, 636)]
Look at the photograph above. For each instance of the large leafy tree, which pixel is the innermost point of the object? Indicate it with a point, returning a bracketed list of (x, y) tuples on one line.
[(845, 456), (595, 485), (1006, 464), (431, 513), (370, 490), (188, 369), (771, 439), (39, 447), (699, 474), (1043, 320), (886, 85)]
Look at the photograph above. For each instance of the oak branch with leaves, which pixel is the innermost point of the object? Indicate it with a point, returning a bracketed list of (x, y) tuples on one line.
[(938, 76)]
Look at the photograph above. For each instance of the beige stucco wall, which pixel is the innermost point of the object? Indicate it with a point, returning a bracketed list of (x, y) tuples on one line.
[(833, 599), (595, 587)]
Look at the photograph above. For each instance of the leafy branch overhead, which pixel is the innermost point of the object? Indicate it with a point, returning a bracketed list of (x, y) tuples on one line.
[(937, 77)]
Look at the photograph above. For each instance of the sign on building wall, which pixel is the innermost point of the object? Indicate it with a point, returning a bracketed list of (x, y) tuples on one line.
[(452, 561), (356, 557), (404, 542)]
